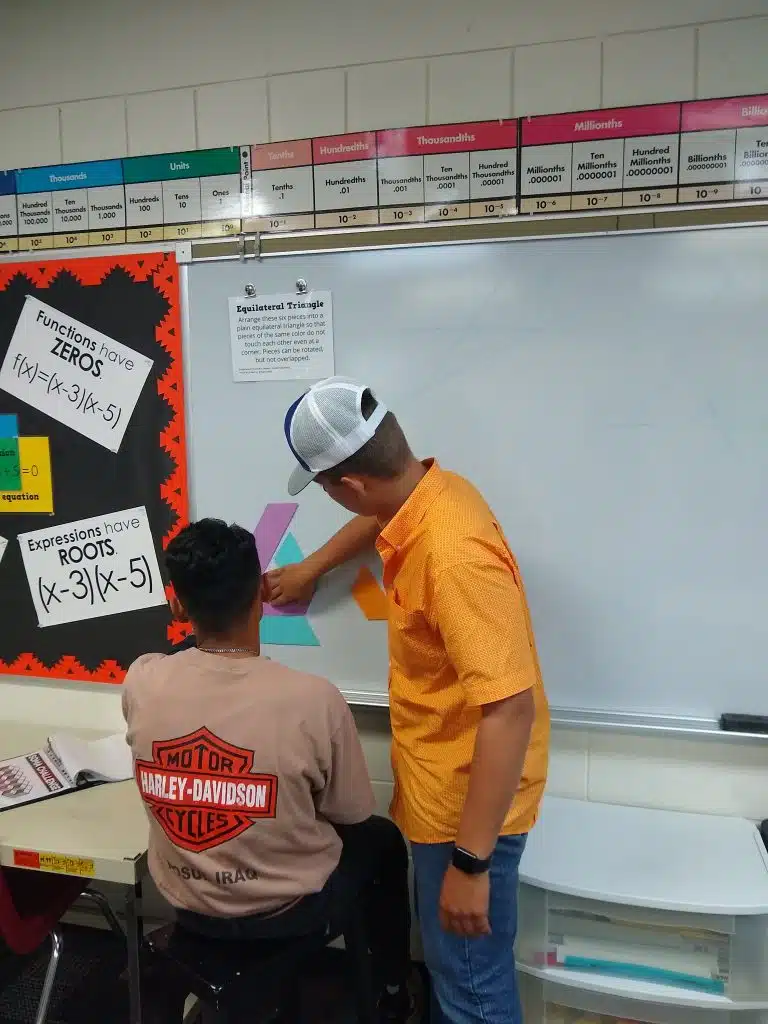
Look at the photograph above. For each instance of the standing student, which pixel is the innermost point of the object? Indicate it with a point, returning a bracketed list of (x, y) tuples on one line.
[(256, 788), (470, 721)]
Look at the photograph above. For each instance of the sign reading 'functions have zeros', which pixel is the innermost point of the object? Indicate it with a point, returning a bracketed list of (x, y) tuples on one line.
[(701, 151), (73, 373)]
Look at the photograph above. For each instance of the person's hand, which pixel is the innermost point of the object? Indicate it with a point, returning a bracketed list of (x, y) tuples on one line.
[(293, 584), (464, 902)]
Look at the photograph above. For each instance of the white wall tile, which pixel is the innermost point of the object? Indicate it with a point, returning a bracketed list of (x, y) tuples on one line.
[(232, 113), (161, 122), (386, 95), (568, 764), (470, 87), (73, 706), (125, 48), (489, 23), (677, 774), (649, 67), (29, 138), (349, 32), (93, 129), (733, 58), (373, 727), (305, 105), (382, 794), (556, 77)]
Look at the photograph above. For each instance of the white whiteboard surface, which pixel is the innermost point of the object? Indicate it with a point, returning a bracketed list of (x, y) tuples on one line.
[(609, 395)]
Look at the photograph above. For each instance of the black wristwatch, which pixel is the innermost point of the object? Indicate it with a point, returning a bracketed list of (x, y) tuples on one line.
[(469, 863)]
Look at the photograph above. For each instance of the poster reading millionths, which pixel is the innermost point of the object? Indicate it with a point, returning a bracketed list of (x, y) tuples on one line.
[(598, 159)]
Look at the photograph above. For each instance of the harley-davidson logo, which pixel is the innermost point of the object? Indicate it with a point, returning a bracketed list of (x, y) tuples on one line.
[(203, 791)]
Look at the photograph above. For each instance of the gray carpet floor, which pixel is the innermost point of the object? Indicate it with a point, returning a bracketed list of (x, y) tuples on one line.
[(91, 988)]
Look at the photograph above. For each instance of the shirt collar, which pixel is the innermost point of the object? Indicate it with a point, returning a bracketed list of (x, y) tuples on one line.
[(410, 514)]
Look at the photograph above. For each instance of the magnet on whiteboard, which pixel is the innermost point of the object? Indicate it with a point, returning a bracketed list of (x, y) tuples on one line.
[(250, 290), (301, 287)]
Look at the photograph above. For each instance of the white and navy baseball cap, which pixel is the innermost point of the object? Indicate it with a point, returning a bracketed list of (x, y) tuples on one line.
[(326, 425)]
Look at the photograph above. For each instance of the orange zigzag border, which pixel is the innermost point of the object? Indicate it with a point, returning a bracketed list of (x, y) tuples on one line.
[(162, 269)]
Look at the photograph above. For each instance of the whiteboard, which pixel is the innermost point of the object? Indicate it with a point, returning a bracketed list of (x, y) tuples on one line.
[(609, 397)]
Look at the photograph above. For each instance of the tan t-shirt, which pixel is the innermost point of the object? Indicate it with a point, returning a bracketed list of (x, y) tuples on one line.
[(242, 765)]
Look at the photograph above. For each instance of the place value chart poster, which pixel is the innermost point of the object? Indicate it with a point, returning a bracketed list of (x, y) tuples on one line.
[(92, 462)]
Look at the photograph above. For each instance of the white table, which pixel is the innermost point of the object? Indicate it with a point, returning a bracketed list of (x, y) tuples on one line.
[(105, 824)]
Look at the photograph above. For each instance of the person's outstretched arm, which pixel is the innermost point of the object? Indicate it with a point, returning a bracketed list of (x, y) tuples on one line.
[(297, 582)]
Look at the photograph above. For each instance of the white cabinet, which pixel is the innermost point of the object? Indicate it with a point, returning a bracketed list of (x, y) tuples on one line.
[(631, 914)]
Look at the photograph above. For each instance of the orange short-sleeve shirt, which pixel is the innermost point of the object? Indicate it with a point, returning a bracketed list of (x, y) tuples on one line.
[(460, 636)]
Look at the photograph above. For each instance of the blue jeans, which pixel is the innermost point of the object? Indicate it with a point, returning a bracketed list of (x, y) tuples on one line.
[(473, 980)]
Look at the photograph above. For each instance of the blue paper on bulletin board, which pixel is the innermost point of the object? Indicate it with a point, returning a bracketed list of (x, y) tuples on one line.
[(9, 425)]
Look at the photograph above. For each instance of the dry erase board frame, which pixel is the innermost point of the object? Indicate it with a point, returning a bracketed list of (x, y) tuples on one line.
[(716, 296)]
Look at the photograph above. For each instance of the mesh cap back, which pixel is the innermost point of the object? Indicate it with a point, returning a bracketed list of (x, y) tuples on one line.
[(326, 425)]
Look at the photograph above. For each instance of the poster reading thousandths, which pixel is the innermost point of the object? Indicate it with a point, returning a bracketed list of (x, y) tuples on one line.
[(282, 337)]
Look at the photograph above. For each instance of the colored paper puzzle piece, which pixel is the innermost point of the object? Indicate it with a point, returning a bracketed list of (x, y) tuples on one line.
[(271, 528), (370, 598), (36, 492), (289, 552), (288, 631), (9, 425), (10, 467), (286, 626)]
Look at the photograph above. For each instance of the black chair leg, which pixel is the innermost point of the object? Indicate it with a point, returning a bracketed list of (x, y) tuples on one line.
[(359, 959)]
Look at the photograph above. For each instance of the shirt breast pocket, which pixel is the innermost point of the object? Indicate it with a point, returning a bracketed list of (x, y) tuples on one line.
[(414, 647)]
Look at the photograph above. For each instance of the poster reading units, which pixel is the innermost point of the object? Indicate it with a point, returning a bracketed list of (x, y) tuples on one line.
[(105, 565), (73, 373), (282, 337), (92, 394)]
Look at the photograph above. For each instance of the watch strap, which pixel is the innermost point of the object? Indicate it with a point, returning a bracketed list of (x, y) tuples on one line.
[(469, 863)]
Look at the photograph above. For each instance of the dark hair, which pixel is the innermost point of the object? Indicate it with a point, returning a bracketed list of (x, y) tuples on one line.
[(384, 457), (215, 571)]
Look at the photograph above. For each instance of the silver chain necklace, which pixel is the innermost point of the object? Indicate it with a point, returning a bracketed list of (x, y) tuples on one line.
[(227, 650)]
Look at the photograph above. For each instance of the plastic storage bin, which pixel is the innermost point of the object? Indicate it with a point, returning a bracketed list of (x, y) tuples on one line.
[(737, 945), (549, 1002)]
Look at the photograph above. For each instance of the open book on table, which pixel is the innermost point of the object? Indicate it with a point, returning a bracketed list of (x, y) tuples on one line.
[(63, 764)]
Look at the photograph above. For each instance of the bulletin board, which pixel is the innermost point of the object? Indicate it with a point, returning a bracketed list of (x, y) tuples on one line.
[(92, 407)]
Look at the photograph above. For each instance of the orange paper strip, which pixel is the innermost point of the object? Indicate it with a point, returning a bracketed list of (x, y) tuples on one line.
[(369, 596)]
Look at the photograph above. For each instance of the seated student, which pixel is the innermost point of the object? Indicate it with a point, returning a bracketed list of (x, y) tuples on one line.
[(253, 776)]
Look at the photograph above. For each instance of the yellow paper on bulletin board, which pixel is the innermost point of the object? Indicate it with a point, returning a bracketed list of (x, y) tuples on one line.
[(36, 494)]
